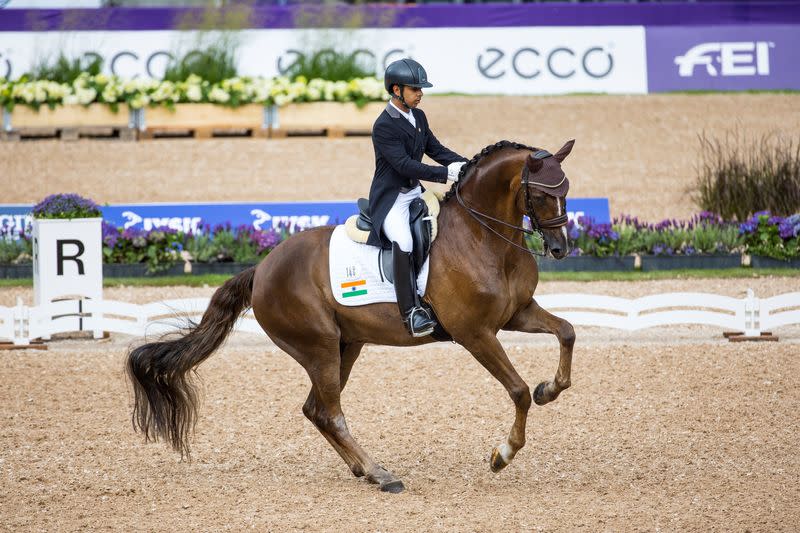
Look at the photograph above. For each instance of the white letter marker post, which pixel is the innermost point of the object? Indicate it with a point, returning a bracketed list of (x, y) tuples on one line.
[(68, 265)]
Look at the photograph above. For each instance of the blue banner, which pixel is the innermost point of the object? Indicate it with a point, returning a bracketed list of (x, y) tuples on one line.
[(293, 216)]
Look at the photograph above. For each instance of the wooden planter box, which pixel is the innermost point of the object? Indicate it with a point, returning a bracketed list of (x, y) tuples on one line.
[(138, 270), (69, 122), (203, 120), (760, 261), (332, 118), (585, 263), (676, 262), (16, 271), (199, 269)]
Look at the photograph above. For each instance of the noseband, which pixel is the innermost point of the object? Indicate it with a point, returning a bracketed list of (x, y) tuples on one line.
[(537, 225)]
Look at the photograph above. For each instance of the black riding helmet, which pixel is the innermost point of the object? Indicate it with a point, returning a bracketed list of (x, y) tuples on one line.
[(405, 72)]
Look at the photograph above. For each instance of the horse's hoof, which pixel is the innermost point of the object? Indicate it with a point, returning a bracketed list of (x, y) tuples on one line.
[(538, 394), (394, 486), (497, 463)]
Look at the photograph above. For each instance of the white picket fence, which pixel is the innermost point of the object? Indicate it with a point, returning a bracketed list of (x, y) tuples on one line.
[(751, 315)]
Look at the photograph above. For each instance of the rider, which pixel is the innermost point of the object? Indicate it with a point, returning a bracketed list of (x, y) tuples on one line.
[(400, 136)]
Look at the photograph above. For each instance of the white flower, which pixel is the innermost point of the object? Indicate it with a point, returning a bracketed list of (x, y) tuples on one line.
[(194, 93), (70, 99), (109, 95), (86, 96), (139, 101), (282, 99), (39, 93), (218, 95)]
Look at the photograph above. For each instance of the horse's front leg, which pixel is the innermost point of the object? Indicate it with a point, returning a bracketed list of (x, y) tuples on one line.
[(534, 319), (488, 351)]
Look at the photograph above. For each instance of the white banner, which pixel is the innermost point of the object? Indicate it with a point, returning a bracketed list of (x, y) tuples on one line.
[(520, 60)]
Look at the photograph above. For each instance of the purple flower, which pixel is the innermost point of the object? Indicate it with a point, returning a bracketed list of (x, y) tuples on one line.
[(789, 227), (66, 206), (265, 239), (748, 227), (110, 234)]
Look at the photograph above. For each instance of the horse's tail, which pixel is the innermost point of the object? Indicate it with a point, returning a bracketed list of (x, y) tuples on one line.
[(165, 398)]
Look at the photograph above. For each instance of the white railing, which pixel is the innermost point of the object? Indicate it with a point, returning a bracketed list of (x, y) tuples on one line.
[(750, 315)]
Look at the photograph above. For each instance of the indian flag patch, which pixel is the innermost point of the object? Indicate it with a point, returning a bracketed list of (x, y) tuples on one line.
[(354, 288)]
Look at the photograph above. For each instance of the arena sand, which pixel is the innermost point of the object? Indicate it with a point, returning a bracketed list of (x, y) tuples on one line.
[(663, 429)]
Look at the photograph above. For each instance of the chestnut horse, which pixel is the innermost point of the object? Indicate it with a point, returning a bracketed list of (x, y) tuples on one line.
[(481, 280)]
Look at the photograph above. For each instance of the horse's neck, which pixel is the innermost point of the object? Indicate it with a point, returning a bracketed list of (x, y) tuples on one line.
[(493, 195), (493, 192)]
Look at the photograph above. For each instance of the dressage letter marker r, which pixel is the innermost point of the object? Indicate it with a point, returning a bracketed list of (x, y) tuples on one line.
[(60, 257)]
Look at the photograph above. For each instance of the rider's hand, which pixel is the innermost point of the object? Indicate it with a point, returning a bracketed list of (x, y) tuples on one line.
[(453, 169)]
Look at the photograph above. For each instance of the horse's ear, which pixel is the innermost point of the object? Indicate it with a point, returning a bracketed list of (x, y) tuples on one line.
[(534, 164), (565, 150)]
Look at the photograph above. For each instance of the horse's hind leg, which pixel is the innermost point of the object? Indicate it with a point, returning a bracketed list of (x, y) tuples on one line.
[(328, 372), (534, 319), (348, 353), (489, 352)]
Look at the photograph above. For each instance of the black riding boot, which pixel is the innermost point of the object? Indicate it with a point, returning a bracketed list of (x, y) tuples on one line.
[(415, 317)]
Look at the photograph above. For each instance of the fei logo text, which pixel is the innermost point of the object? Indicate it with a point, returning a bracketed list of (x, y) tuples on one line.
[(747, 58)]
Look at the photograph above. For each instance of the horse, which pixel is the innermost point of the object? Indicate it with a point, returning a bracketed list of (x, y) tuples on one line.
[(482, 279)]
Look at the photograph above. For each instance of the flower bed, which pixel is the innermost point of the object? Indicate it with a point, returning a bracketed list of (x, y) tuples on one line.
[(142, 92), (705, 241)]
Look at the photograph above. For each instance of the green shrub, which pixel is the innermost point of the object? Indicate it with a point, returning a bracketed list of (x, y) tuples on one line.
[(738, 178), (328, 64), (64, 69), (15, 251), (213, 63)]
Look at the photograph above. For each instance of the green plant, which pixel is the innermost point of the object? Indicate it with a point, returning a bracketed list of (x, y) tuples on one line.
[(738, 177), (772, 236), (212, 63), (159, 248), (65, 69), (328, 64), (16, 251)]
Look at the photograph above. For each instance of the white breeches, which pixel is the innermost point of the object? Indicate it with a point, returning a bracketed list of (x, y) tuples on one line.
[(395, 225)]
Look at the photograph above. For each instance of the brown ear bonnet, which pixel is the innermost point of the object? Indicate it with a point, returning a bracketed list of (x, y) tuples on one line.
[(544, 171)]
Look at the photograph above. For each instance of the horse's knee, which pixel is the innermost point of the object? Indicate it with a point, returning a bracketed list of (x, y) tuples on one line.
[(566, 334), (521, 396)]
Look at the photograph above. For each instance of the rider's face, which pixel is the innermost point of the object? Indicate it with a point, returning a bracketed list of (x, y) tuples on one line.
[(411, 95)]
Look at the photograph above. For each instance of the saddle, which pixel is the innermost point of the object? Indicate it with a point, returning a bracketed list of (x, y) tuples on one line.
[(423, 212)]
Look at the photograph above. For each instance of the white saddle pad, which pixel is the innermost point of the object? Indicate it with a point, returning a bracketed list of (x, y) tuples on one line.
[(356, 274)]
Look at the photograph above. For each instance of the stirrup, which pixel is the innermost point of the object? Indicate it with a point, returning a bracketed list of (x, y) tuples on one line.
[(410, 323)]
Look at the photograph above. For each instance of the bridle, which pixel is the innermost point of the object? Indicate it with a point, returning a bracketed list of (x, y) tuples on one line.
[(537, 225)]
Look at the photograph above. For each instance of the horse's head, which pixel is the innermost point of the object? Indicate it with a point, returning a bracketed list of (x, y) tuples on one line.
[(545, 187)]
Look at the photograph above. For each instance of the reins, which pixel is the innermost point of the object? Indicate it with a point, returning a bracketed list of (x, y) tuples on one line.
[(538, 225)]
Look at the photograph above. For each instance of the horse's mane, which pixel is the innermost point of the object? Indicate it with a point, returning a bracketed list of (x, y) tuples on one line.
[(492, 148)]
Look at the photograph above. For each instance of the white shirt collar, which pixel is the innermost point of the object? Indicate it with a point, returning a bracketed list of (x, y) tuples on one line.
[(409, 116)]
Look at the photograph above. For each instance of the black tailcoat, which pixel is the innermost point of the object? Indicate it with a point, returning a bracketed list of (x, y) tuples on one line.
[(398, 151)]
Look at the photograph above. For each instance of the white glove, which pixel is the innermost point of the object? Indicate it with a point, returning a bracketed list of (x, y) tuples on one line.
[(453, 169)]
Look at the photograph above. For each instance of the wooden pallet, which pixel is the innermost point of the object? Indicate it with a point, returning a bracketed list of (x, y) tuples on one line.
[(330, 132), (68, 123), (203, 121), (202, 132), (34, 345), (69, 133)]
